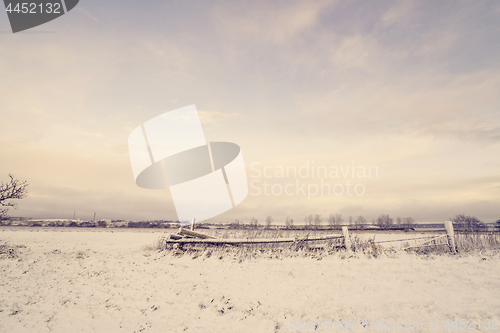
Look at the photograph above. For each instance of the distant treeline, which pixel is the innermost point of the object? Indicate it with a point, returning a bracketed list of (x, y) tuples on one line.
[(91, 224), (462, 223)]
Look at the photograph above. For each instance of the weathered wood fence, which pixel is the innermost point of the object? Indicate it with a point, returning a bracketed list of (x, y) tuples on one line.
[(186, 236), (450, 237)]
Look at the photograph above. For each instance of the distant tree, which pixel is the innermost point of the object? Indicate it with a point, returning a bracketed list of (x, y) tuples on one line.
[(399, 222), (360, 221), (13, 189), (384, 221), (331, 220), (288, 222), (466, 223), (308, 221), (235, 224), (291, 223), (338, 219), (102, 224), (269, 220), (317, 220), (408, 222), (254, 223), (498, 223)]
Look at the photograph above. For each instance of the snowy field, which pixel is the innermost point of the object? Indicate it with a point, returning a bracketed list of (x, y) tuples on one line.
[(103, 280)]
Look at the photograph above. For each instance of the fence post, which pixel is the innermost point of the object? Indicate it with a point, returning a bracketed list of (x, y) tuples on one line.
[(451, 236), (347, 239), (192, 224)]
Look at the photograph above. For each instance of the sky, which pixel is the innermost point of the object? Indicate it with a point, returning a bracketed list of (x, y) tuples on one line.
[(409, 88)]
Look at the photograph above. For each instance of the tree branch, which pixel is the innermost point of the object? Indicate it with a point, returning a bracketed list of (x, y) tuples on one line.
[(14, 189)]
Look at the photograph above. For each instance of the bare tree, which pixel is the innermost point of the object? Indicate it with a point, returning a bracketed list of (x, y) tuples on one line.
[(360, 221), (317, 220), (384, 221), (338, 219), (288, 222), (467, 223), (269, 220), (254, 223), (13, 189), (331, 221), (308, 220), (235, 224), (408, 222)]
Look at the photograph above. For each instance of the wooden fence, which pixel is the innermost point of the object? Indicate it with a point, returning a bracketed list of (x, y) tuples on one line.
[(189, 236), (450, 240)]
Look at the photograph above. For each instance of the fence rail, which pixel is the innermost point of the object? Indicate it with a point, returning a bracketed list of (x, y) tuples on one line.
[(400, 240)]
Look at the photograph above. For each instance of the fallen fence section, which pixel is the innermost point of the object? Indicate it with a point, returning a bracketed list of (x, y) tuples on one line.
[(185, 236), (450, 235), (424, 244), (191, 233), (404, 239), (247, 241)]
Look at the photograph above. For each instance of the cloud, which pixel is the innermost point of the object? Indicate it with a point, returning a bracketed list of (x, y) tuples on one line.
[(466, 130), (216, 118), (355, 52), (398, 14), (409, 86), (267, 22), (87, 13)]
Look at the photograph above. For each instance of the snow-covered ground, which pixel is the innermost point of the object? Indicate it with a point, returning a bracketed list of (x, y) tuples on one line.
[(103, 280)]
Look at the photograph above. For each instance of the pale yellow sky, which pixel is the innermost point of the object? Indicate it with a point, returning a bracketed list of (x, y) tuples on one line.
[(409, 87)]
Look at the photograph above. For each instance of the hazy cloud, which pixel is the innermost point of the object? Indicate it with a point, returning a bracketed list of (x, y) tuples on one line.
[(411, 87)]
